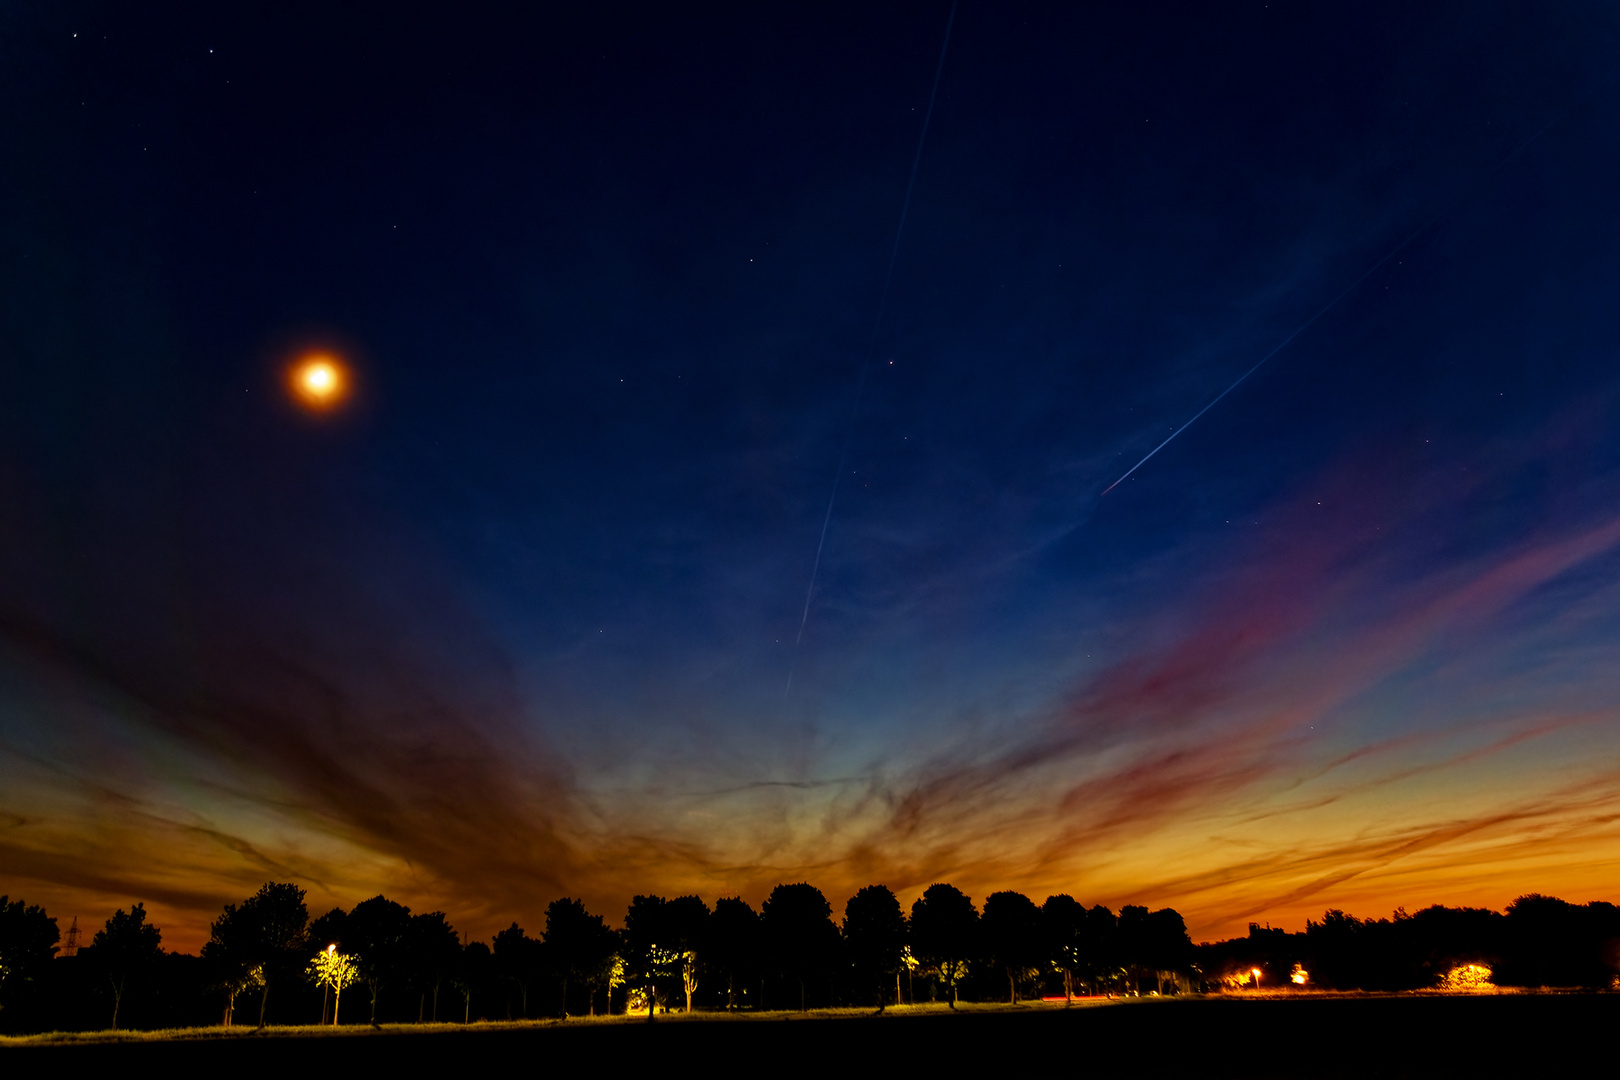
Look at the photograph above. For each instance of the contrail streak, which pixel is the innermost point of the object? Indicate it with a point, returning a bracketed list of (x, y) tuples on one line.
[(877, 324), (1419, 231)]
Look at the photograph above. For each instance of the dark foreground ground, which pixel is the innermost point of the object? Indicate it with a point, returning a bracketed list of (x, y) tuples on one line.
[(1507, 1035)]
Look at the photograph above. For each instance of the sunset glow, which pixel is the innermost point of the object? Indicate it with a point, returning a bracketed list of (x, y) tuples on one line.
[(1163, 456)]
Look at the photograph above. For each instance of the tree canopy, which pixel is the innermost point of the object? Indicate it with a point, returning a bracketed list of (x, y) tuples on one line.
[(125, 947), (944, 933), (875, 938)]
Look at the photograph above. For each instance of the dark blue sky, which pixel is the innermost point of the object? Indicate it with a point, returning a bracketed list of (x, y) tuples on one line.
[(517, 620)]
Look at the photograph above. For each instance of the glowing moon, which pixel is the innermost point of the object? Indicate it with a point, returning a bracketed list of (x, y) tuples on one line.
[(319, 381)]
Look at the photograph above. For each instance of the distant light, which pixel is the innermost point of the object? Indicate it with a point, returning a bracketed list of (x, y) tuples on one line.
[(319, 381), (1299, 976)]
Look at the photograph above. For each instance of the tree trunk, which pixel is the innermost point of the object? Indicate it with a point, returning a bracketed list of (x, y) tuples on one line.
[(731, 991), (337, 996), (118, 996), (264, 1000), (1012, 988), (435, 1003)]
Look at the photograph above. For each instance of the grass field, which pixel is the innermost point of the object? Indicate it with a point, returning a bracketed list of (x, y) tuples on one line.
[(1355, 1035)]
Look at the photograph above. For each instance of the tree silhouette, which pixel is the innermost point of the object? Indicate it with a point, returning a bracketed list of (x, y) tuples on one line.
[(1165, 947), (1063, 922), (1551, 942), (734, 942), (473, 974), (1336, 950), (581, 948), (28, 940), (433, 951), (799, 932), (516, 961), (1012, 934), (1099, 937), (126, 946), (875, 937), (378, 933), (260, 941), (944, 932)]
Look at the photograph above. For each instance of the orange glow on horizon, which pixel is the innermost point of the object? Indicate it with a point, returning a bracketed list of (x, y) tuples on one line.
[(319, 381)]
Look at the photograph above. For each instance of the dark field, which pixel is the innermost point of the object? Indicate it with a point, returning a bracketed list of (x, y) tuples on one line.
[(1522, 1034)]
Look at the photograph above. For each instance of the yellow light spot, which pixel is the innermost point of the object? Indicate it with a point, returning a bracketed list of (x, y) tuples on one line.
[(1467, 978), (319, 381)]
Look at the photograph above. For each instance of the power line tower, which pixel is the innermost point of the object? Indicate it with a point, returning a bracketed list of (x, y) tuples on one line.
[(72, 946)]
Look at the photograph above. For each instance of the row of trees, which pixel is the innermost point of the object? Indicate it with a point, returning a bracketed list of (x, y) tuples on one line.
[(679, 953), (1538, 941), (671, 953)]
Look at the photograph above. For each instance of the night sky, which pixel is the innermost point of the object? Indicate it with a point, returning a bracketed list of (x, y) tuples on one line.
[(518, 617)]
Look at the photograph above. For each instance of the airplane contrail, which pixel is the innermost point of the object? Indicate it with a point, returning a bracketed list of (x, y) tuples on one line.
[(860, 386), (1419, 231)]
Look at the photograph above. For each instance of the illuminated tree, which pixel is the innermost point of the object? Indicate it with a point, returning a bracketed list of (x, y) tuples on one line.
[(875, 939), (686, 919), (800, 937), (126, 946), (733, 942), (1011, 932), (649, 962), (612, 973), (944, 933), (267, 931), (333, 970)]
